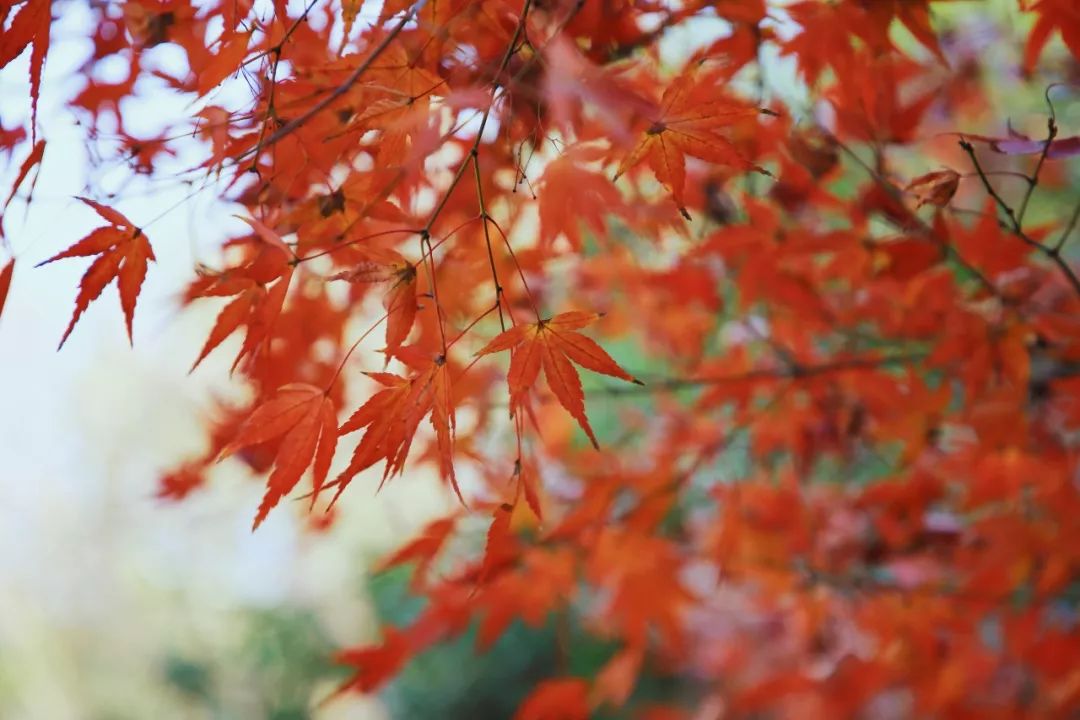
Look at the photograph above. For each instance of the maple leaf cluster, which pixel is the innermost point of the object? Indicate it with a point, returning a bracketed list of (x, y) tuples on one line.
[(831, 464)]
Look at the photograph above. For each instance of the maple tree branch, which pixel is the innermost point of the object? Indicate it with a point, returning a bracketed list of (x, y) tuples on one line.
[(404, 231), (354, 241), (785, 355), (578, 4), (1033, 179), (979, 214), (427, 252), (1000, 173), (914, 221), (1051, 133), (472, 157), (794, 372), (520, 272), (994, 194), (458, 175), (385, 192), (863, 580), (511, 49), (1053, 253), (429, 264), (271, 112), (485, 218), (1069, 227), (759, 96), (472, 323)]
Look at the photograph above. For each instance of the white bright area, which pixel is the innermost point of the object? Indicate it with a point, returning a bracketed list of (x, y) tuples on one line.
[(97, 576)]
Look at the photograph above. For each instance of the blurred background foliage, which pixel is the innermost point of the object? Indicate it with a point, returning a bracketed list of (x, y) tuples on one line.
[(281, 656)]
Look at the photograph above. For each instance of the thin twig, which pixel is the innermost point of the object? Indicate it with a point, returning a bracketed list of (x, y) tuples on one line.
[(1054, 253), (485, 218), (271, 111), (1051, 133), (1033, 180), (793, 372), (470, 157), (1068, 229), (994, 194), (914, 222), (474, 155), (344, 87)]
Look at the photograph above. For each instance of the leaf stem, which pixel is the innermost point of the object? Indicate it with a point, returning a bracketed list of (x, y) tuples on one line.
[(1068, 229), (1033, 180), (341, 366)]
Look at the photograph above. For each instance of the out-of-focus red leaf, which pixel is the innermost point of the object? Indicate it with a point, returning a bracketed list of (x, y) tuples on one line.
[(936, 188), (560, 699), (5, 282), (32, 160)]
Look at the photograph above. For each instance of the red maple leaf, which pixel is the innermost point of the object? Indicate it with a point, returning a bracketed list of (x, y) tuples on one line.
[(391, 418), (553, 344), (572, 195), (5, 281), (689, 122), (123, 251), (303, 417), (1062, 15)]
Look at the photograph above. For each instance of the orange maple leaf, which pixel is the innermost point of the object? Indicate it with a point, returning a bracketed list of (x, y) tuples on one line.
[(553, 343), (616, 680), (422, 549), (392, 416), (229, 319), (124, 253), (444, 421), (499, 549), (688, 123), (303, 417), (257, 304), (387, 426), (349, 10), (571, 194), (935, 188)]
